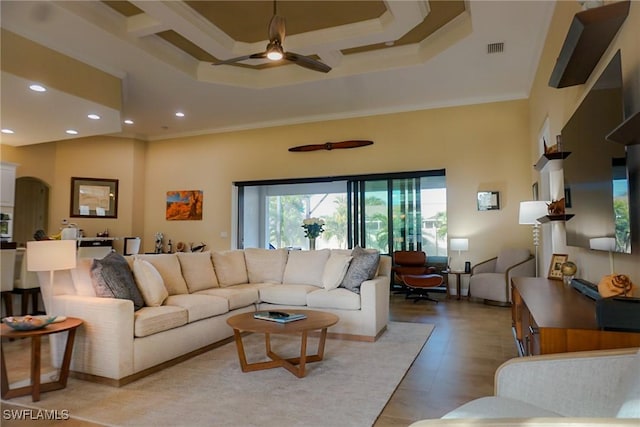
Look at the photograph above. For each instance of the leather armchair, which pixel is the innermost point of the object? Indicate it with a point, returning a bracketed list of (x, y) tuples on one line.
[(491, 279)]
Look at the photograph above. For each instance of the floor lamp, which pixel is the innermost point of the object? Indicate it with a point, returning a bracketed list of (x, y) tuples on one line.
[(50, 255), (530, 211)]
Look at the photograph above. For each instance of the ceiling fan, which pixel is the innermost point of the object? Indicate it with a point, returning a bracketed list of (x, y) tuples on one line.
[(332, 145), (274, 50)]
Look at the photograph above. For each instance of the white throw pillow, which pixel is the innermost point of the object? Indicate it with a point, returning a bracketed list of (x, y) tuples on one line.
[(81, 277), (230, 267), (305, 267), (265, 265), (169, 268), (334, 270), (150, 283), (197, 270)]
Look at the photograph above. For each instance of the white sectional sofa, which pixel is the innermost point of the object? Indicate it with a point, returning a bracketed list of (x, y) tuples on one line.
[(591, 388), (186, 313)]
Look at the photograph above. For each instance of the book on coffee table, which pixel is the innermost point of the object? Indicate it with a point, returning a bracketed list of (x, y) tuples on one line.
[(279, 316)]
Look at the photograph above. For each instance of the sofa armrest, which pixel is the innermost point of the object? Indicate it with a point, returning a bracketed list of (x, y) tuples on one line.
[(104, 342), (582, 384), (374, 301), (526, 422), (526, 268)]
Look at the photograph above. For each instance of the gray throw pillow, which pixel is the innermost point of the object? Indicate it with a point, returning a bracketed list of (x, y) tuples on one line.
[(111, 277), (363, 267)]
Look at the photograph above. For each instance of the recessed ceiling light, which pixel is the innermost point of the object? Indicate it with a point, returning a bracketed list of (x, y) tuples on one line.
[(71, 131), (37, 88), (94, 116), (7, 131), (128, 122), (179, 114)]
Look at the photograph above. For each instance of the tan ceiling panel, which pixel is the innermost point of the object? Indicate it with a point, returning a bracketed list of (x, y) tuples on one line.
[(440, 14), (247, 21), (187, 46), (124, 8)]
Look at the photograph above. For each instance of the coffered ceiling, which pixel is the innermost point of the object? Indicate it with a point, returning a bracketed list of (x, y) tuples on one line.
[(386, 56)]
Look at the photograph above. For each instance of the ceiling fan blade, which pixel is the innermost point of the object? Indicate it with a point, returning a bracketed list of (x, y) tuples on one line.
[(332, 145), (260, 55), (306, 62), (277, 29)]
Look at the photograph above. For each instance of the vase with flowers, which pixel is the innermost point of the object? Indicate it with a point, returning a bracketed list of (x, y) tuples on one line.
[(313, 227)]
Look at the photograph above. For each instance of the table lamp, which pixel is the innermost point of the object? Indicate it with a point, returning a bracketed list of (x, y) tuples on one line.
[(460, 244), (530, 211), (50, 255)]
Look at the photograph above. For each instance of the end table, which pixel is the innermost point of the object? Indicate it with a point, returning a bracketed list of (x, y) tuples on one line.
[(458, 274), (70, 324)]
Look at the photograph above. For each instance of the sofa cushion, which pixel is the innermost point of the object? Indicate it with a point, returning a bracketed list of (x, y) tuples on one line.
[(499, 407), (151, 320), (305, 267), (286, 294), (197, 270), (112, 278), (630, 391), (265, 265), (335, 269), (236, 296), (363, 267), (230, 267), (335, 298), (150, 283), (169, 268), (199, 306), (81, 277)]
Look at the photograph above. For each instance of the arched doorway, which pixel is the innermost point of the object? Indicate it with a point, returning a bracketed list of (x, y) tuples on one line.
[(31, 211)]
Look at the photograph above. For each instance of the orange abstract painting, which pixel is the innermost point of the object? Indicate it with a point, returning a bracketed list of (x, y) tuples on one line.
[(184, 205)]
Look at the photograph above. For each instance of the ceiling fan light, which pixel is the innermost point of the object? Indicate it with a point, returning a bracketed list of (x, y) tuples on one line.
[(274, 55)]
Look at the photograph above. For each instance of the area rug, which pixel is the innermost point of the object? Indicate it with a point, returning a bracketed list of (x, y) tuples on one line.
[(350, 387)]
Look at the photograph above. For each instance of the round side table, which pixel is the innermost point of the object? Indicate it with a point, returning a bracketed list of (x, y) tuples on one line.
[(70, 325)]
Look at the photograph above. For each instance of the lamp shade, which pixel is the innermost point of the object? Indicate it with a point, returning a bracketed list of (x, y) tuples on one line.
[(603, 243), (51, 255), (531, 210), (459, 244)]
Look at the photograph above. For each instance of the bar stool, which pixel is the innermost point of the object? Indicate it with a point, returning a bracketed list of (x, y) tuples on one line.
[(7, 263), (26, 283)]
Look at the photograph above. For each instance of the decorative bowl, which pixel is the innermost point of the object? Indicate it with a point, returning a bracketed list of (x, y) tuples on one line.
[(28, 323)]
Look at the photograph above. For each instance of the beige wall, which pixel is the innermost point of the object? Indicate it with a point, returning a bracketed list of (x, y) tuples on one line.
[(559, 104), (482, 147)]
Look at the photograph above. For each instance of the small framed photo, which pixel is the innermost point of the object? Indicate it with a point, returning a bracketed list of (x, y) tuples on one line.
[(555, 268), (488, 200), (94, 198)]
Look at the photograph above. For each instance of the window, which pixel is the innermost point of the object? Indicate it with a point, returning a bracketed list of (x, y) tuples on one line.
[(404, 211)]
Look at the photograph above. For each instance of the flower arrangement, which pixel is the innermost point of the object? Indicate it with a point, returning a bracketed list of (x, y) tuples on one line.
[(313, 227)]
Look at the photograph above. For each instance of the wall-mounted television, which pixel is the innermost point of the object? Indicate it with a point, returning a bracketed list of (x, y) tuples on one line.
[(596, 173)]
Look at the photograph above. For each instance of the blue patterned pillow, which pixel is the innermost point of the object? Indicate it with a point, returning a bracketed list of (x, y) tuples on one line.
[(363, 267), (111, 277)]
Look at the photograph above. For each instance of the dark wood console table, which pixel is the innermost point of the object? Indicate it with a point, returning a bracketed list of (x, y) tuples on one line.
[(550, 317)]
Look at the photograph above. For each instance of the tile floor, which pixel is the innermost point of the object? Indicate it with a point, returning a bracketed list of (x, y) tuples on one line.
[(456, 365)]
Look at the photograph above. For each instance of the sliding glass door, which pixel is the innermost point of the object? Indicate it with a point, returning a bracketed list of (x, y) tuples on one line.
[(404, 211)]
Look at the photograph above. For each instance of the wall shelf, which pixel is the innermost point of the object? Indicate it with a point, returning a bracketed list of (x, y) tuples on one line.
[(549, 218), (546, 158), (589, 36), (628, 133)]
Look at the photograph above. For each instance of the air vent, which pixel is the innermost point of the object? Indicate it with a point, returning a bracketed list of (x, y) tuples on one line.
[(495, 47)]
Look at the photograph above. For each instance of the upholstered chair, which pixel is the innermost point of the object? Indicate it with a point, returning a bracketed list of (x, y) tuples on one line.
[(8, 257), (26, 284), (491, 279)]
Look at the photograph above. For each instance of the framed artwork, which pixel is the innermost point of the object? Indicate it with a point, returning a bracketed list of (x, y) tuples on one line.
[(94, 198), (555, 268), (488, 200), (184, 205)]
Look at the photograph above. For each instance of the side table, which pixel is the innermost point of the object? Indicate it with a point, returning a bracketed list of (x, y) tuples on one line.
[(458, 274), (70, 324)]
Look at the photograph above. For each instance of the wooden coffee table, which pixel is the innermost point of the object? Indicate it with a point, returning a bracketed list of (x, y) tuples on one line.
[(316, 320), (35, 388)]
